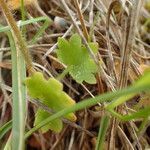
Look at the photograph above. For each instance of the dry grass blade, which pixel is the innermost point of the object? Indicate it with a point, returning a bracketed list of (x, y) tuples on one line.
[(129, 33)]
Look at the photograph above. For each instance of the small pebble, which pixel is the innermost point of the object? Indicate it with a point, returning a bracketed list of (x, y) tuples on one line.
[(60, 23)]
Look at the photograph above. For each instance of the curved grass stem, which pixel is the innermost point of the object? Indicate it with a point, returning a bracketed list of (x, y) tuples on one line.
[(19, 41)]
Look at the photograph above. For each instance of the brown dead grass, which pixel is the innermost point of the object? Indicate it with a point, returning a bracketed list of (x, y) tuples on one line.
[(124, 51)]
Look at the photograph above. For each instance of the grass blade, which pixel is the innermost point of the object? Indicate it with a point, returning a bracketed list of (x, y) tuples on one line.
[(19, 97), (102, 133), (24, 23), (143, 113), (40, 31), (5, 128)]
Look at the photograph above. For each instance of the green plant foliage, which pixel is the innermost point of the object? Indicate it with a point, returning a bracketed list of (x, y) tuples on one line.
[(142, 85), (55, 125), (75, 55), (49, 92)]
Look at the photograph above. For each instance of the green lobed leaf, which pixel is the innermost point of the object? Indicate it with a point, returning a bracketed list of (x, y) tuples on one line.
[(49, 92), (75, 55), (56, 125)]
